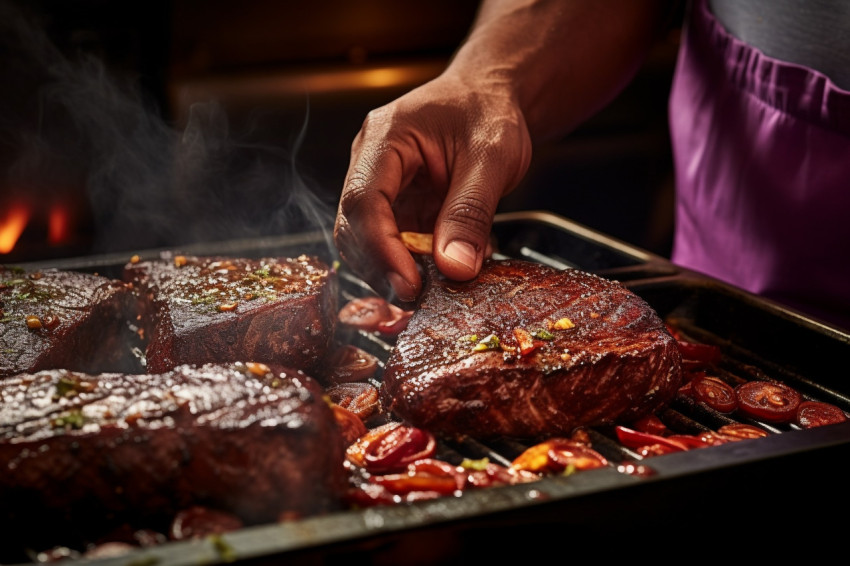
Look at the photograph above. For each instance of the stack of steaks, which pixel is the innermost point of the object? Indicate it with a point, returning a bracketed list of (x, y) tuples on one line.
[(220, 412)]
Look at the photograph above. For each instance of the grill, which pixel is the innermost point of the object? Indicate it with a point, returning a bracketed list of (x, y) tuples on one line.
[(792, 479)]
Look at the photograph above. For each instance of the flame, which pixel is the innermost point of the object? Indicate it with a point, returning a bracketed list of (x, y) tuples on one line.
[(12, 226), (58, 225)]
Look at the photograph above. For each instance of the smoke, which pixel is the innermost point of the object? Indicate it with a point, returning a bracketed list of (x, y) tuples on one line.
[(67, 122)]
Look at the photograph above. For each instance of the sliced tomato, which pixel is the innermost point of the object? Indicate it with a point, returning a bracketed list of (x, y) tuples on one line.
[(811, 414), (391, 447), (634, 439), (741, 431), (715, 393), (427, 474), (374, 314), (556, 455), (698, 354), (349, 363), (768, 401), (360, 398), (350, 425), (651, 424)]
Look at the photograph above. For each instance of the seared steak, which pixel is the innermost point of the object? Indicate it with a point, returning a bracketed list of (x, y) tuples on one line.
[(82, 451), (215, 309), (63, 319), (525, 350)]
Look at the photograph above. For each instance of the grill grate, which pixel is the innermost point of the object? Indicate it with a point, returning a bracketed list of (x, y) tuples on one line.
[(793, 471)]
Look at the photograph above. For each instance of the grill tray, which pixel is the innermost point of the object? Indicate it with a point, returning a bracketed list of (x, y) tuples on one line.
[(791, 478)]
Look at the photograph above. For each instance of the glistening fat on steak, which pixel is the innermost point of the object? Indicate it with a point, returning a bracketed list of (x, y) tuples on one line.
[(218, 309), (83, 451), (63, 319), (525, 350)]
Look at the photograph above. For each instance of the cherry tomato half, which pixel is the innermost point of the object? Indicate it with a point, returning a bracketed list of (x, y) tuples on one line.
[(360, 398), (818, 413), (715, 393), (349, 363), (556, 455), (695, 353), (427, 474), (374, 314), (391, 447), (768, 401), (349, 424)]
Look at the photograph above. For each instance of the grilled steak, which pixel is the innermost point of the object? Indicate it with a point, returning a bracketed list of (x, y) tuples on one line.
[(525, 350), (63, 319), (82, 451), (215, 309)]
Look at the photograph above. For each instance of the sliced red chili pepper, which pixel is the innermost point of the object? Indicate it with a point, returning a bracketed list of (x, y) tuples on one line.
[(634, 439), (769, 401), (391, 447), (811, 414), (526, 341), (715, 393), (556, 455), (742, 431)]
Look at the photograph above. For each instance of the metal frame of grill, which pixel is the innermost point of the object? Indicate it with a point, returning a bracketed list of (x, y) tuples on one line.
[(788, 478)]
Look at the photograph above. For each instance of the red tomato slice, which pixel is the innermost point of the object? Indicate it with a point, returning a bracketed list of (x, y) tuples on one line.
[(349, 363), (349, 424), (360, 398), (715, 393), (365, 313), (769, 401), (818, 413), (742, 431), (427, 474), (391, 447), (374, 314), (556, 454), (651, 424), (696, 354)]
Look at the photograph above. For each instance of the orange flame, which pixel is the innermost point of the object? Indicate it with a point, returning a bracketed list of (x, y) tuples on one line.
[(12, 226), (58, 225)]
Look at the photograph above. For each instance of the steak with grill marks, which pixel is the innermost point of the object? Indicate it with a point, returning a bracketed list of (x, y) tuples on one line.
[(64, 319), (525, 350), (81, 452), (218, 309)]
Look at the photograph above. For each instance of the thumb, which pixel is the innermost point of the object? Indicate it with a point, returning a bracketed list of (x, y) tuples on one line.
[(462, 231)]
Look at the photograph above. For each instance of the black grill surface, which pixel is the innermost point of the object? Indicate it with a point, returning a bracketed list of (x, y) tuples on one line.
[(789, 488)]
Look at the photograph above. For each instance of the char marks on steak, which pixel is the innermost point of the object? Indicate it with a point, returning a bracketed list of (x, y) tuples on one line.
[(82, 451), (525, 350), (218, 309), (63, 319)]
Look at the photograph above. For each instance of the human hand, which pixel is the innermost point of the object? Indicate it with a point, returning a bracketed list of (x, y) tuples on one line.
[(435, 160)]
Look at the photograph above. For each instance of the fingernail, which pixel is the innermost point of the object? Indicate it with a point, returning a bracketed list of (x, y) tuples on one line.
[(462, 252), (403, 289)]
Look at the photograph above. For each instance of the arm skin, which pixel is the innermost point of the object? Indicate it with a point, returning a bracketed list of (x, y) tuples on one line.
[(439, 158)]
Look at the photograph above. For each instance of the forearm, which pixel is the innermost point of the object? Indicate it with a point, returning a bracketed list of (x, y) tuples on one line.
[(561, 61)]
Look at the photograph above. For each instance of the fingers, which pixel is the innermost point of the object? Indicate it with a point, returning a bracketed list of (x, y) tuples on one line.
[(366, 233), (490, 170)]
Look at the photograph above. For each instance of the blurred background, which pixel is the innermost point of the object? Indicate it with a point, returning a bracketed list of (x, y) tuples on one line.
[(138, 124)]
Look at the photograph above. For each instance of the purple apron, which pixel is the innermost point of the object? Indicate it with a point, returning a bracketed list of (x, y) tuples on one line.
[(762, 158)]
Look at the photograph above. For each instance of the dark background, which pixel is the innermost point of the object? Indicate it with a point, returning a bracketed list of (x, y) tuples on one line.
[(209, 119)]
